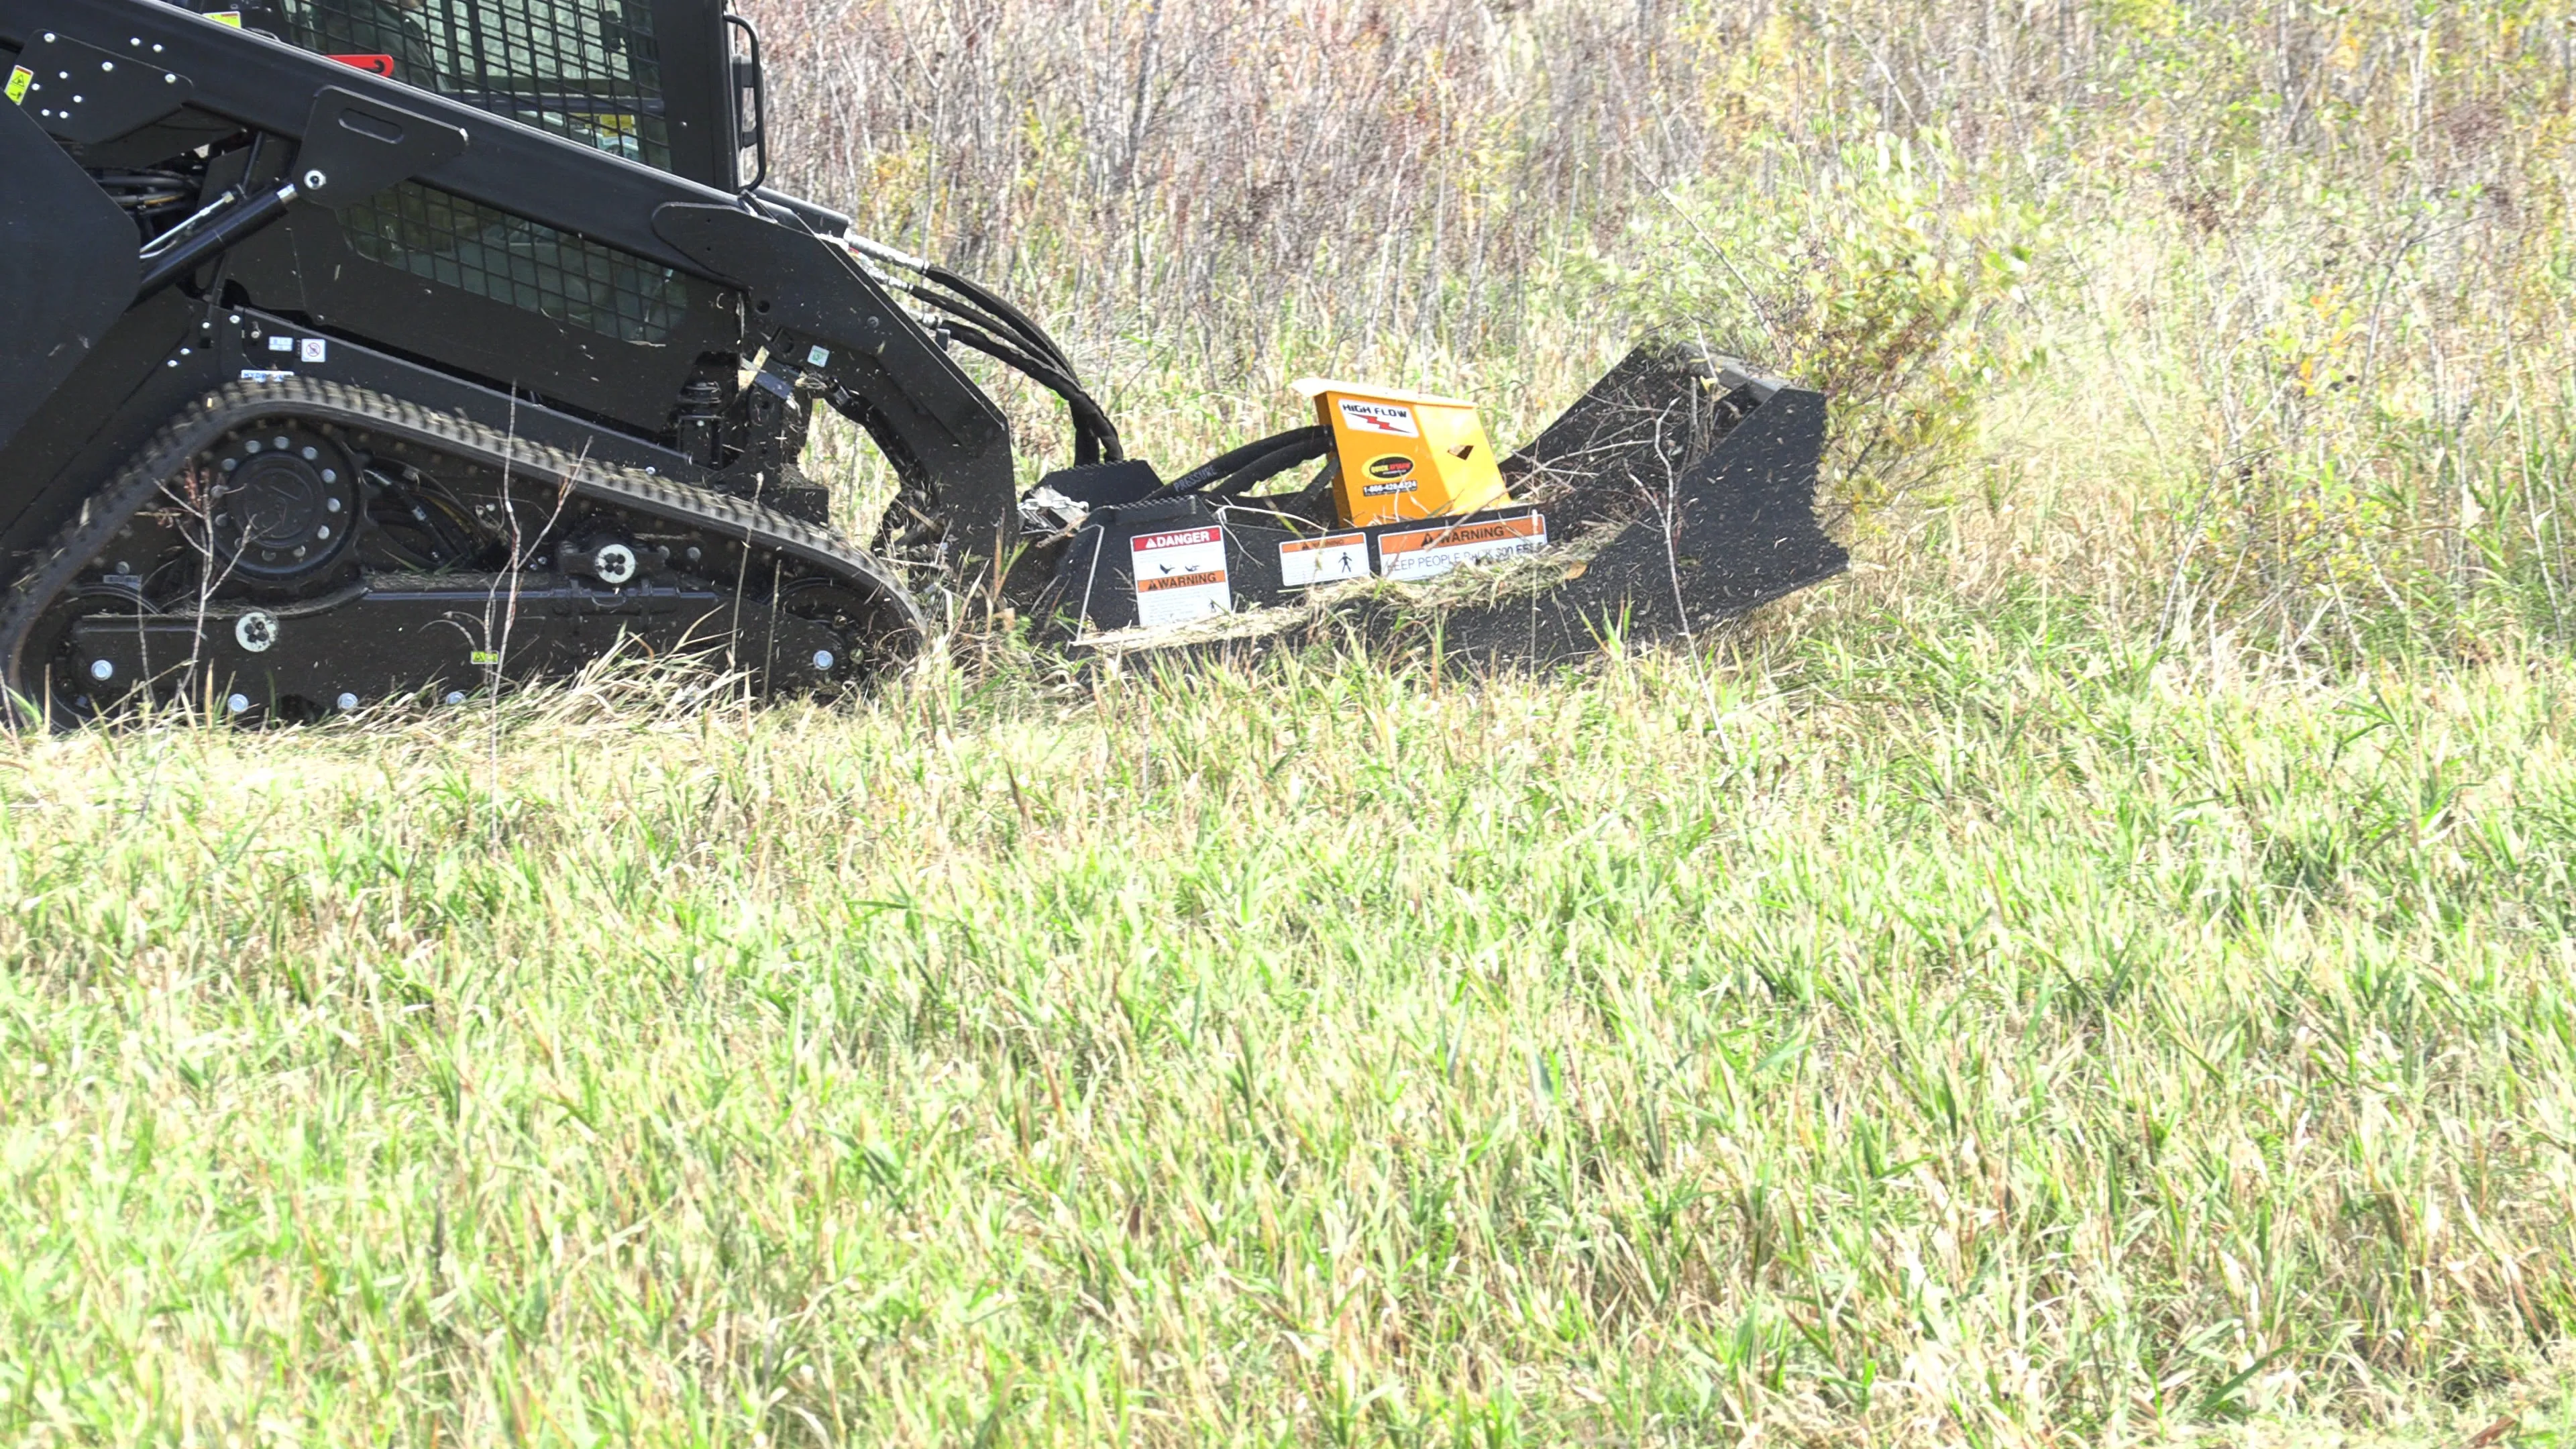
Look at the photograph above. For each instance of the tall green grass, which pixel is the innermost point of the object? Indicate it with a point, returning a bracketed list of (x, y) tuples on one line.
[(1913, 1023)]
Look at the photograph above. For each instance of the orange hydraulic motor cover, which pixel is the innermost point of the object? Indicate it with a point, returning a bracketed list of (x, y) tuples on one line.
[(1404, 455)]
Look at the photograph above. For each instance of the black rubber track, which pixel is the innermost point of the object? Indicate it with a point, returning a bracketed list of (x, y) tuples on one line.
[(193, 430)]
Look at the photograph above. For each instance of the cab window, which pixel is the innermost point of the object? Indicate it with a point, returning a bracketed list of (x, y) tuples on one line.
[(587, 69)]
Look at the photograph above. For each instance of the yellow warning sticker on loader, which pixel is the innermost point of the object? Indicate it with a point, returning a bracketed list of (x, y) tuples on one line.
[(18, 84)]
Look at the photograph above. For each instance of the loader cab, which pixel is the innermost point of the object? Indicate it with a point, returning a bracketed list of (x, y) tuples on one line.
[(673, 84)]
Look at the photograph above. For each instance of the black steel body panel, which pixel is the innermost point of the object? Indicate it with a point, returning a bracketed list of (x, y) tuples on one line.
[(84, 431), (67, 266), (269, 85), (404, 634), (356, 146), (309, 266), (84, 94)]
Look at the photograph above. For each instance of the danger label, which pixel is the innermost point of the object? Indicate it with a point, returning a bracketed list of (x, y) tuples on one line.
[(1424, 553), (1393, 419), (1306, 562), (1180, 575)]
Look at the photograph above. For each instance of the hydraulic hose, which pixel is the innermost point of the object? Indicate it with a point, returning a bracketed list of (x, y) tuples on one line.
[(145, 191), (1019, 321), (1013, 319), (1271, 464), (164, 264), (1237, 469), (991, 324), (998, 330), (1218, 466), (1095, 438), (994, 327)]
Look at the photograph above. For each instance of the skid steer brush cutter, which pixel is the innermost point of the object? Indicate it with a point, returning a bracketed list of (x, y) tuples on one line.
[(365, 349), (1677, 493)]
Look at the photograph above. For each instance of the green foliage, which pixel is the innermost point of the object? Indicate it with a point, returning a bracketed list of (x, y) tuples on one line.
[(1892, 282)]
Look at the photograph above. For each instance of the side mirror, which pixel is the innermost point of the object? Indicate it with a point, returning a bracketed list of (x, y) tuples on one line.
[(750, 106)]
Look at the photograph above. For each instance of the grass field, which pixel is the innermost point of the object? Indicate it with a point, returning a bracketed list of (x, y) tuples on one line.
[(2100, 973), (1920, 1022)]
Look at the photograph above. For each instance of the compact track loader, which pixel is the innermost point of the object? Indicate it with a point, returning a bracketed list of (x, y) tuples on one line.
[(370, 348)]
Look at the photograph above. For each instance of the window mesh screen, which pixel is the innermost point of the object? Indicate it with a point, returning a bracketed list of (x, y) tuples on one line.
[(587, 69), (526, 264)]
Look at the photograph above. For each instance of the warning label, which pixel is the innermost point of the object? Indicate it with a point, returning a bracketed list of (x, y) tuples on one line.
[(1180, 576), (1424, 553), (18, 84), (1392, 419), (1305, 562)]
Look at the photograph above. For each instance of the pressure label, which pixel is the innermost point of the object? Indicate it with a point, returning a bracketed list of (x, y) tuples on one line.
[(1180, 575)]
